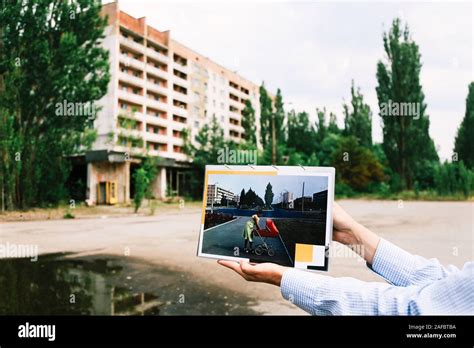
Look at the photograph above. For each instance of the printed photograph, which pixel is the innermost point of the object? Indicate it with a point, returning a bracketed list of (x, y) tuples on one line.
[(266, 218)]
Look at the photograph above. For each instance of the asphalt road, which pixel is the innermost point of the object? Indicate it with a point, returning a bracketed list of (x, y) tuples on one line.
[(443, 230), (223, 239)]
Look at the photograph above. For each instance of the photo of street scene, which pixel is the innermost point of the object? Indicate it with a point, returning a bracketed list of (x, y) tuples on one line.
[(262, 217)]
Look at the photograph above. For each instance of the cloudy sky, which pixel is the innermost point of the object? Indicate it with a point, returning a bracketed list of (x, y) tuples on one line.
[(312, 49)]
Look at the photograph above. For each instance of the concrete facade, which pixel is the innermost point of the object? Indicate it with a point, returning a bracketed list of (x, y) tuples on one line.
[(158, 88)]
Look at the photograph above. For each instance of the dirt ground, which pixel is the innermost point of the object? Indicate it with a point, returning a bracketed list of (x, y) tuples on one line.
[(432, 229)]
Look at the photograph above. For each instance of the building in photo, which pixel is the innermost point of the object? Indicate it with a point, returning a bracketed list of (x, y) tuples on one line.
[(287, 200), (320, 200), (158, 88), (215, 193)]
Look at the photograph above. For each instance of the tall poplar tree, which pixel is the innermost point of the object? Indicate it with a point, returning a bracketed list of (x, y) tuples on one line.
[(266, 111), (464, 143), (406, 140), (249, 123), (358, 118)]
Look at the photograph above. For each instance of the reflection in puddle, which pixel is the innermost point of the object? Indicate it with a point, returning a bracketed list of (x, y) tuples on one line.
[(108, 285)]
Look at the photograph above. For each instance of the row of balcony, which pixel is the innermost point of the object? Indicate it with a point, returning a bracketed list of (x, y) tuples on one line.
[(139, 48), (141, 100), (238, 92), (150, 69)]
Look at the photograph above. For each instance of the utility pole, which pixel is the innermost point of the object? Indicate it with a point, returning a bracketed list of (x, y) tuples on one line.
[(302, 198)]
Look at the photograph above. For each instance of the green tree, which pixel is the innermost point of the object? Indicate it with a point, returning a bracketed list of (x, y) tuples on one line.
[(301, 133), (321, 127), (356, 165), (253, 200), (242, 198), (464, 142), (141, 186), (269, 195), (327, 148), (332, 126), (150, 166), (266, 111), (454, 178), (406, 140), (50, 54), (249, 123), (224, 202), (326, 136), (358, 118), (208, 144), (279, 117)]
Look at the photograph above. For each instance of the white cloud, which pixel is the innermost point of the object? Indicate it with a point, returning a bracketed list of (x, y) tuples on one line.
[(312, 50)]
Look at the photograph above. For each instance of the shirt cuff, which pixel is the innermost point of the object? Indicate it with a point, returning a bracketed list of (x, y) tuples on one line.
[(292, 289), (304, 289), (392, 263)]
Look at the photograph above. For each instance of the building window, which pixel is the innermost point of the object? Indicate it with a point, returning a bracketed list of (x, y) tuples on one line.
[(222, 118), (196, 124), (222, 105)]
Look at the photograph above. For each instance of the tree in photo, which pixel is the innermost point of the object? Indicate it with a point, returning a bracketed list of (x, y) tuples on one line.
[(224, 202), (50, 55), (269, 196), (406, 138), (464, 142), (242, 200)]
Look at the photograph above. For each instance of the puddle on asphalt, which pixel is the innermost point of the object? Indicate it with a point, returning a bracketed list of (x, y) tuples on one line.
[(109, 285)]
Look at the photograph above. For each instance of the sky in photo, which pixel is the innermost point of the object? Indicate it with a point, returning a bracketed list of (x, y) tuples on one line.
[(280, 184), (313, 49)]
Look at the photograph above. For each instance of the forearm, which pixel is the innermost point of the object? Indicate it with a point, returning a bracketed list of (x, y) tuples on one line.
[(367, 239)]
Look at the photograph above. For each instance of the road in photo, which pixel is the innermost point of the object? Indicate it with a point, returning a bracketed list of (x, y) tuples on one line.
[(223, 239)]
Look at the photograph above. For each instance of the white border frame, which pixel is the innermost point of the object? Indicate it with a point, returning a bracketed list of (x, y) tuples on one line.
[(329, 172)]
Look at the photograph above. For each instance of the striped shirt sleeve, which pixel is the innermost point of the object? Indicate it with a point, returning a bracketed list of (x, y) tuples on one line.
[(324, 295), (419, 286), (403, 269)]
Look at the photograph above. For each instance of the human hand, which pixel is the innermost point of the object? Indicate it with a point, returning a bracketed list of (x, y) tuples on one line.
[(263, 272), (343, 226)]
